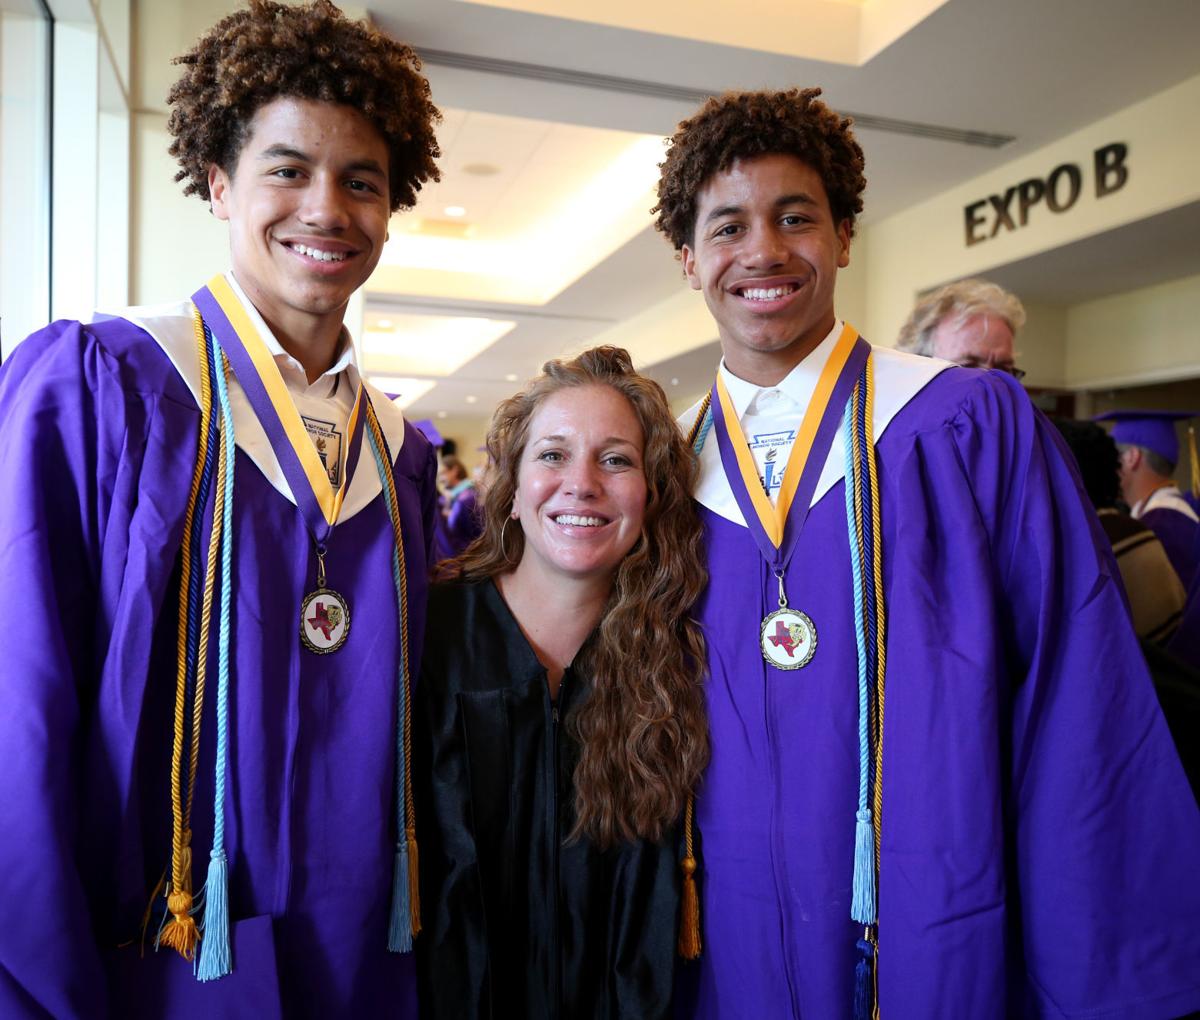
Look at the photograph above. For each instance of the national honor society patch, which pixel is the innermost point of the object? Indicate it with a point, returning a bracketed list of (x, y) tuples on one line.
[(328, 441)]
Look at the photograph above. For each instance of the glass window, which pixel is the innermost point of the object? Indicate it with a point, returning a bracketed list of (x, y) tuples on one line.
[(24, 170)]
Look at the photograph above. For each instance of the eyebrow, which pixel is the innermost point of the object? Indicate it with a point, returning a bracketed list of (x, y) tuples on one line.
[(607, 442), (281, 151), (800, 198)]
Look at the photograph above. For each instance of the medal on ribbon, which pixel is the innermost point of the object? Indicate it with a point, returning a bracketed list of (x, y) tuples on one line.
[(324, 613), (788, 637)]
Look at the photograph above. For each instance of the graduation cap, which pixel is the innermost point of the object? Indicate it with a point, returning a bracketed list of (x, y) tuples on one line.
[(429, 431), (1153, 430)]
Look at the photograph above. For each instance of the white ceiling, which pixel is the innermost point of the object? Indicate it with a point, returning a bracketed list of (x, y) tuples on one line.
[(1031, 69)]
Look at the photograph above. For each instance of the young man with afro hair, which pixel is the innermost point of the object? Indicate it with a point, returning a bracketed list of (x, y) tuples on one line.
[(218, 536), (940, 783)]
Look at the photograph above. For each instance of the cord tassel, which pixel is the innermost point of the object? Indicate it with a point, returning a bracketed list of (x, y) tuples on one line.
[(400, 922), (689, 922), (180, 933), (862, 904), (863, 981), (414, 885), (215, 958)]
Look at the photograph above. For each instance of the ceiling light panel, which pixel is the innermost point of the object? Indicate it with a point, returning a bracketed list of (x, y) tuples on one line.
[(836, 31), (429, 345), (564, 198)]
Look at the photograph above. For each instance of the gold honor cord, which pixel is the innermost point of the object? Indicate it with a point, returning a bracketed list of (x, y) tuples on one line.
[(181, 932), (689, 945), (408, 823)]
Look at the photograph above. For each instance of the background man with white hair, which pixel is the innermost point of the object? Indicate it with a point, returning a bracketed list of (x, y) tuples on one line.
[(971, 323)]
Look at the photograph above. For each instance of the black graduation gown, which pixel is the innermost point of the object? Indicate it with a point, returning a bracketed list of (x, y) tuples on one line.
[(517, 922)]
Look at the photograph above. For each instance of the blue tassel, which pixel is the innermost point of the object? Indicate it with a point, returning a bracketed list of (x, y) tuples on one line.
[(862, 903), (215, 958), (400, 923), (863, 984)]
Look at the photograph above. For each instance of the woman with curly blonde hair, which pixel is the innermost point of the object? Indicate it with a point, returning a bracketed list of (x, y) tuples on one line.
[(560, 713)]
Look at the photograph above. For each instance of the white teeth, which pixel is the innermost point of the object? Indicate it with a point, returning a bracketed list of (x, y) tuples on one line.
[(578, 522), (316, 253), (767, 293)]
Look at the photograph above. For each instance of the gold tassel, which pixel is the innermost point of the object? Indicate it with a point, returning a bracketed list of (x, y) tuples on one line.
[(414, 891), (689, 923), (181, 934)]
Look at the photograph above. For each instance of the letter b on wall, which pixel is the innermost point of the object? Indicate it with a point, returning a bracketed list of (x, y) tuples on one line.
[(1111, 171)]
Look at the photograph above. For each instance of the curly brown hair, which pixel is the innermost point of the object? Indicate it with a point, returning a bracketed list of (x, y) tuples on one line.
[(743, 125), (270, 50), (642, 728)]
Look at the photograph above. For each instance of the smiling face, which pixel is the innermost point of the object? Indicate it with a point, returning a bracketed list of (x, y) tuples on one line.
[(581, 485), (308, 209), (765, 252)]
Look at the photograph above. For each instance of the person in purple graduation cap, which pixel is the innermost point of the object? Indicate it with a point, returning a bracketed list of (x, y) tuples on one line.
[(217, 538), (940, 783), (1149, 452)]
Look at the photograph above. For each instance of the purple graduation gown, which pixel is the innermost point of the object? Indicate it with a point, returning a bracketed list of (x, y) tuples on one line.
[(1039, 839), (99, 441), (1177, 532)]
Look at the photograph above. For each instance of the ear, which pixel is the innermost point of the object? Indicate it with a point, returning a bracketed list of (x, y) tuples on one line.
[(689, 267), (219, 185), (843, 235)]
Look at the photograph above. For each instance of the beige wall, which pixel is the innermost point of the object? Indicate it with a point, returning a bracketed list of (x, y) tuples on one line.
[(1041, 346), (925, 246), (1146, 335), (469, 434)]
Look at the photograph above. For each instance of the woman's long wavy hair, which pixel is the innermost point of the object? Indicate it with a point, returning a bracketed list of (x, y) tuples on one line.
[(643, 728)]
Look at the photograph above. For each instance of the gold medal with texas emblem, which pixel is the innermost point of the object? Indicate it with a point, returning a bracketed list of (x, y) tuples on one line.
[(788, 638), (324, 621)]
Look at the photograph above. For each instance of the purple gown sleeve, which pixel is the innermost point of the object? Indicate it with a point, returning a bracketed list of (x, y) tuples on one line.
[(1104, 831), (62, 418)]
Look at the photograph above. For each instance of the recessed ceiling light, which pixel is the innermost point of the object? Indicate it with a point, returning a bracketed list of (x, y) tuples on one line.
[(511, 377), (455, 211), (383, 323), (481, 169), (472, 399), (443, 414), (674, 382)]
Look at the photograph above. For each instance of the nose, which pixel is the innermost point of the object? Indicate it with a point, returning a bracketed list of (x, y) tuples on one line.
[(764, 248), (325, 203), (582, 479)]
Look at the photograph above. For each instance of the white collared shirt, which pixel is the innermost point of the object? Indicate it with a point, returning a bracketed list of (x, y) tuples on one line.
[(773, 414), (325, 403), (770, 416), (171, 326)]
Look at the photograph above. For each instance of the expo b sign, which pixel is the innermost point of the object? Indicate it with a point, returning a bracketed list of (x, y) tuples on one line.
[(1059, 191)]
